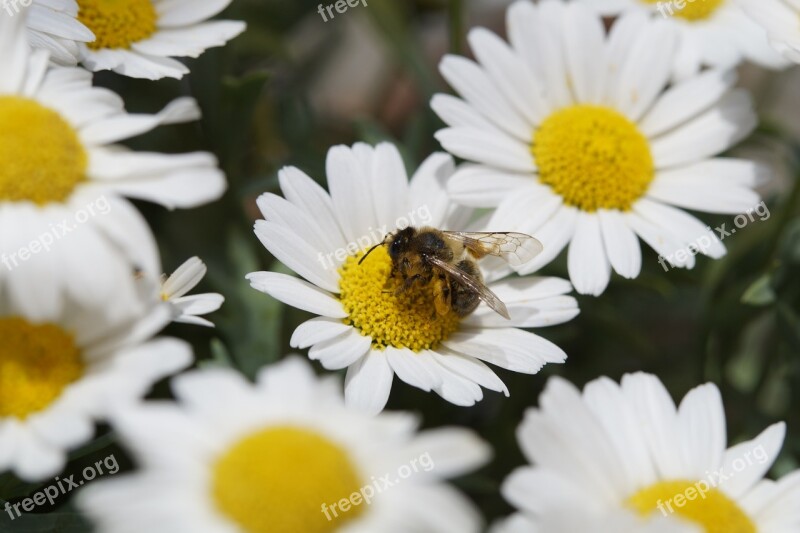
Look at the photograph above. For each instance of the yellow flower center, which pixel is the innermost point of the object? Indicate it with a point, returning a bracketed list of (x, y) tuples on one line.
[(118, 23), (41, 157), (593, 157), (278, 479), (404, 319), (37, 362), (695, 502), (692, 10)]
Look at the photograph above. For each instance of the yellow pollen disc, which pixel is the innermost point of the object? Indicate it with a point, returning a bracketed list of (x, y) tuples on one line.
[(36, 363), (118, 23), (41, 156), (692, 10), (277, 480), (404, 320), (593, 157), (695, 502)]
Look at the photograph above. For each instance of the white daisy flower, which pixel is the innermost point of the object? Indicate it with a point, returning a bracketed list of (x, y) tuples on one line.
[(61, 372), (140, 38), (779, 19), (281, 456), (52, 25), (623, 454), (577, 138), (188, 309), (66, 229), (365, 325), (713, 33)]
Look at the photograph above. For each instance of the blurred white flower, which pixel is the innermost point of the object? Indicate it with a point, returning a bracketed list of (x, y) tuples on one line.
[(779, 19), (283, 455), (188, 309), (713, 33), (64, 179), (623, 458), (136, 38), (62, 371), (52, 25)]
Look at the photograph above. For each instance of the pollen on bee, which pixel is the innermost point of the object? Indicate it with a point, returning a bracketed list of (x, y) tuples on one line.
[(402, 319)]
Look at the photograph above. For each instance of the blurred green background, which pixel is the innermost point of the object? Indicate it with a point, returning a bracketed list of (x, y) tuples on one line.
[(293, 85)]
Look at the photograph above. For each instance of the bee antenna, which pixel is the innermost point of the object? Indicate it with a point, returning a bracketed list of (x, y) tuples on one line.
[(370, 250)]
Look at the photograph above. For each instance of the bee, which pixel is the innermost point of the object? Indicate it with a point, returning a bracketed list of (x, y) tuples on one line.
[(447, 260)]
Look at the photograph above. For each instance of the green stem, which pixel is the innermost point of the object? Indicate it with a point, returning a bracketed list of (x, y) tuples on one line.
[(788, 210), (456, 25)]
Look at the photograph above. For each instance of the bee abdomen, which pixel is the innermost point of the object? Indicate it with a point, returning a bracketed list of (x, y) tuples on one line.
[(463, 299)]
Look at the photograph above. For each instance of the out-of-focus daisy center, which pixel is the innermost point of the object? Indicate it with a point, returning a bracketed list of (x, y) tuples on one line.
[(276, 481), (118, 23), (701, 504), (692, 9), (37, 361), (403, 319), (41, 156), (593, 157)]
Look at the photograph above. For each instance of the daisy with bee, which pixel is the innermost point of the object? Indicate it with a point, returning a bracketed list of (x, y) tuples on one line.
[(409, 303)]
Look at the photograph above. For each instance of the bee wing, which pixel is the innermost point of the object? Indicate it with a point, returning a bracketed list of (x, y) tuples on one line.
[(515, 248), (474, 285)]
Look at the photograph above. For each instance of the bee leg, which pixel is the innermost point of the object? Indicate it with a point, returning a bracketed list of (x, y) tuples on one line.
[(442, 295)]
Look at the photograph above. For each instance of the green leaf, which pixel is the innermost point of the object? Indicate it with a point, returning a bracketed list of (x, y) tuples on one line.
[(253, 334), (61, 522), (760, 293)]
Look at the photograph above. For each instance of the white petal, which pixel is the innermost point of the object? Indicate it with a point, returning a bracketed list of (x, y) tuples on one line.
[(297, 254), (416, 369), (708, 134), (126, 126), (351, 192), (481, 186), (185, 278), (477, 88), (510, 74), (341, 351), (297, 293), (584, 46), (487, 148), (368, 383), (686, 100), (453, 451), (471, 369), (751, 460), (701, 420), (621, 244), (554, 236), (309, 196), (509, 348), (715, 186), (589, 267), (316, 330)]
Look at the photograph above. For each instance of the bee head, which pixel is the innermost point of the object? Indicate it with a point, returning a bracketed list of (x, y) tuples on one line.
[(400, 242)]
